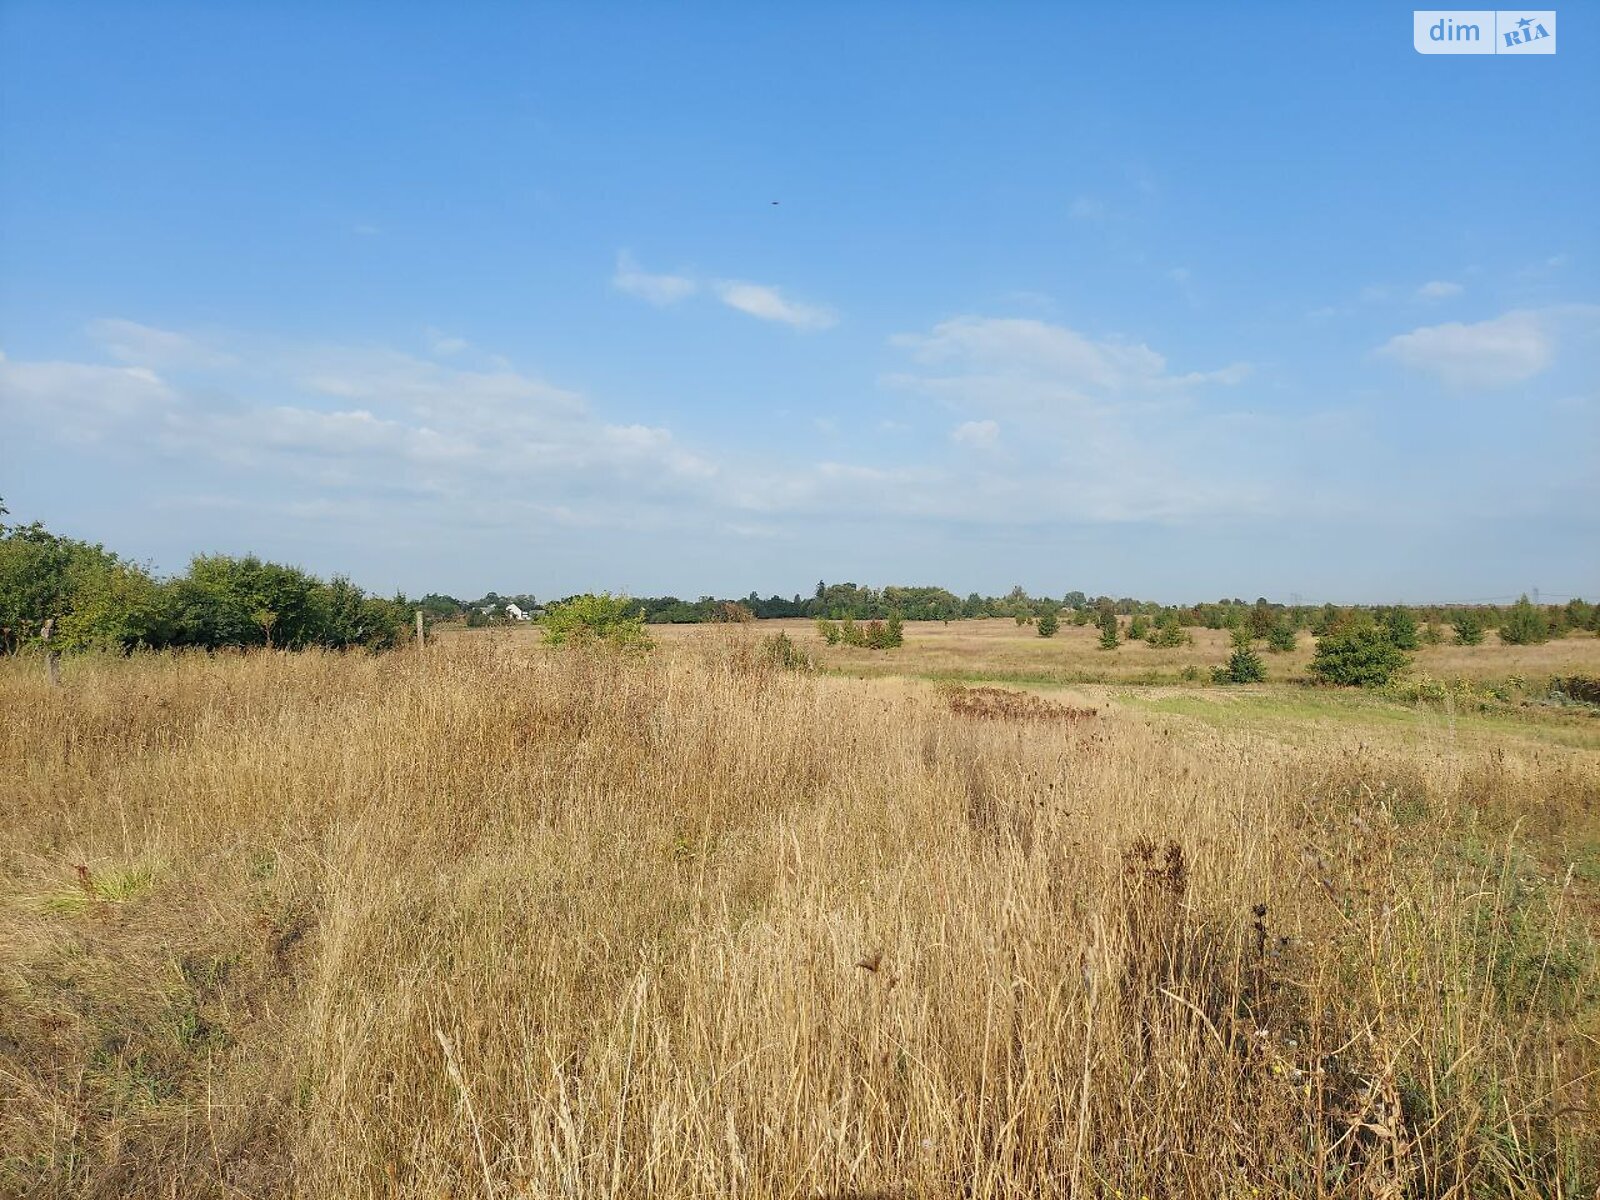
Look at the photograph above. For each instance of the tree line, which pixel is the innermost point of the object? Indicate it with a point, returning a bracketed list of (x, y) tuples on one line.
[(88, 597), (96, 599)]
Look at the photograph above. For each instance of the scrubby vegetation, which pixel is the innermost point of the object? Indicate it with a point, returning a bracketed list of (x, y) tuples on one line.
[(613, 620), (873, 635)]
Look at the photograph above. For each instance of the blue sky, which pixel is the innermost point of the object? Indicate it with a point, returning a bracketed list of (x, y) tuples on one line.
[(1176, 301)]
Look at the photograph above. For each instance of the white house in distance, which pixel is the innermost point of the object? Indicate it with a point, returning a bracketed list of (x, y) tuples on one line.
[(515, 613)]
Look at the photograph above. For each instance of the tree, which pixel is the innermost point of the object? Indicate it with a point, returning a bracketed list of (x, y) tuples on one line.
[(1168, 632), (1244, 666), (115, 606), (589, 619), (1108, 629), (1361, 654), (1261, 618), (1469, 629), (1525, 625), (1281, 637), (44, 577), (1048, 623), (894, 634), (1138, 627), (1402, 628)]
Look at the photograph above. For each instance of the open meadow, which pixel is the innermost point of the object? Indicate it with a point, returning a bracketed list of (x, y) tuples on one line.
[(494, 919)]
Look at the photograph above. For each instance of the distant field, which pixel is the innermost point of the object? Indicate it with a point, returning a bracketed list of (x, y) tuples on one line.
[(999, 649), (494, 920)]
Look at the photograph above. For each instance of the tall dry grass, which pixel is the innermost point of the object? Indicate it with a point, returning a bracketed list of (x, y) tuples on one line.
[(493, 921)]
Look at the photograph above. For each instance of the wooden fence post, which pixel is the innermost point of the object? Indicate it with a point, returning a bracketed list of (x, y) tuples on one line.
[(52, 658), (420, 634)]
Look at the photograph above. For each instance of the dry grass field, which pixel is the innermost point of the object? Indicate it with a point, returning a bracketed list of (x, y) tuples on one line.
[(491, 920), (1000, 649)]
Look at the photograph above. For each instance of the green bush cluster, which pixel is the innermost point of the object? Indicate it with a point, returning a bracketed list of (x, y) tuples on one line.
[(1168, 633), (780, 651), (873, 635), (1361, 654), (1281, 637), (596, 619), (96, 600), (1524, 625), (1244, 665)]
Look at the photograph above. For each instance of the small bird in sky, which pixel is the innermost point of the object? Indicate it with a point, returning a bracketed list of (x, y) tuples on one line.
[(774, 201)]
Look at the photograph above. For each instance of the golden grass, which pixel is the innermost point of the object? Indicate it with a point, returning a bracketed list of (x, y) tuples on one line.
[(488, 920)]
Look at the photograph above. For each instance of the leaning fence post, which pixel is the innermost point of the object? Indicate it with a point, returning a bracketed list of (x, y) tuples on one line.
[(52, 659)]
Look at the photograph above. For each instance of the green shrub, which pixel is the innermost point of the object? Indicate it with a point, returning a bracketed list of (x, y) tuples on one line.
[(1138, 628), (590, 619), (1108, 631), (1244, 666), (1281, 637), (829, 631), (894, 633), (1361, 654), (780, 651), (1469, 629), (1402, 627), (1524, 625), (1167, 633), (1048, 624)]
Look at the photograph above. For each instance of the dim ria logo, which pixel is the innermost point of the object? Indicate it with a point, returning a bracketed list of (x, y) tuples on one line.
[(1485, 31)]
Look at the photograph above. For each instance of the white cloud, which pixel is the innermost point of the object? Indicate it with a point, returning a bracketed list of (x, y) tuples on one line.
[(660, 290), (444, 344), (81, 401), (298, 421), (1074, 364), (1439, 289), (1508, 349), (979, 435), (769, 304), (1098, 428), (147, 346)]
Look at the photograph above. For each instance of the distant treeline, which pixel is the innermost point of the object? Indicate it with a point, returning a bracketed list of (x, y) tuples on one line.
[(92, 598), (848, 601)]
